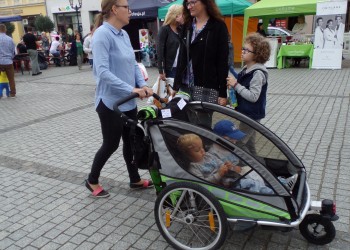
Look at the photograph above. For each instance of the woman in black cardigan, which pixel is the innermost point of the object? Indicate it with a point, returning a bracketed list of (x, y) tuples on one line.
[(208, 49)]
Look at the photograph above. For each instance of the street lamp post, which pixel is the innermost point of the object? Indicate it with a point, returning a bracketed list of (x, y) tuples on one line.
[(76, 8)]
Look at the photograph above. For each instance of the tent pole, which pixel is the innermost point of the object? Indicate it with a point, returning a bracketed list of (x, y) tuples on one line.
[(231, 25), (157, 25)]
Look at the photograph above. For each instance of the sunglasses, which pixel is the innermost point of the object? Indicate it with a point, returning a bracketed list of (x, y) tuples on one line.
[(245, 50)]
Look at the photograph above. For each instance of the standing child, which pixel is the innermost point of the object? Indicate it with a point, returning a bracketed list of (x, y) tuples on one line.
[(251, 84), (4, 84)]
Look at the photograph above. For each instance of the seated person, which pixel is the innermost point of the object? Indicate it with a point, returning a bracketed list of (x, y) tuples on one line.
[(21, 49), (55, 51), (211, 168)]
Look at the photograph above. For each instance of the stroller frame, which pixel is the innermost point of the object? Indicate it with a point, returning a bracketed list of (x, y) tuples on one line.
[(180, 196)]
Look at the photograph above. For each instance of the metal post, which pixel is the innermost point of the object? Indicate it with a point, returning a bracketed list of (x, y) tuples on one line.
[(76, 9)]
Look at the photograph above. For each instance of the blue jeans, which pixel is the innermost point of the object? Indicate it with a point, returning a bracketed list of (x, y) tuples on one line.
[(6, 87), (56, 58)]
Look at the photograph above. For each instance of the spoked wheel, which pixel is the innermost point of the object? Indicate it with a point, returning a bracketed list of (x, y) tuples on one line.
[(317, 229), (190, 217)]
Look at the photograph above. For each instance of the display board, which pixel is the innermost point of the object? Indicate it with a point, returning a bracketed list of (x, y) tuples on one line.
[(329, 34)]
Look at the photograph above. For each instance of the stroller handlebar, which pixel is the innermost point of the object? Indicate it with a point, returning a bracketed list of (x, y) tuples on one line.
[(126, 99)]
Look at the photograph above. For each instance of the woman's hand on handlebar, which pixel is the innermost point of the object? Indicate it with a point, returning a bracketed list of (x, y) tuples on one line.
[(141, 92), (149, 91)]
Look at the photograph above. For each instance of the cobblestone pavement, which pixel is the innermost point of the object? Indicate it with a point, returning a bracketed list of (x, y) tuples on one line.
[(50, 133)]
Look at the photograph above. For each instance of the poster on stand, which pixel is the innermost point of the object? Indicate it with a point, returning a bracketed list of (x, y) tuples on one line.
[(329, 34)]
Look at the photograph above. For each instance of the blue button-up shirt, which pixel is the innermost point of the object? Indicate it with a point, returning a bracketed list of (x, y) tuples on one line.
[(115, 68), (7, 49)]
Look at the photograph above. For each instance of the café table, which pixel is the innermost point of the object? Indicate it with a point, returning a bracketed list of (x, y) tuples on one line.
[(295, 51)]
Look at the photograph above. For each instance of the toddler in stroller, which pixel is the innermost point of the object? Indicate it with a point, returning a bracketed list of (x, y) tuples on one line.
[(217, 166)]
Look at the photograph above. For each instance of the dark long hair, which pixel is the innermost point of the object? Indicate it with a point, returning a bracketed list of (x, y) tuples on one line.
[(211, 8)]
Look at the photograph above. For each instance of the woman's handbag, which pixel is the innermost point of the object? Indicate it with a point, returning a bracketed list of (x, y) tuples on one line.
[(200, 93)]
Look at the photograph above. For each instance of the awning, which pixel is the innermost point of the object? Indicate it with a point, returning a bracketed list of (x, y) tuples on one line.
[(146, 8), (6, 19), (267, 9), (227, 7)]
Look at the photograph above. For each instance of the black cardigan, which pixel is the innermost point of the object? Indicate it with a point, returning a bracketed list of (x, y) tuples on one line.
[(167, 45), (209, 54)]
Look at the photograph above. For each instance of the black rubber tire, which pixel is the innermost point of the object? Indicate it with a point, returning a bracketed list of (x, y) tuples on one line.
[(308, 225), (204, 200)]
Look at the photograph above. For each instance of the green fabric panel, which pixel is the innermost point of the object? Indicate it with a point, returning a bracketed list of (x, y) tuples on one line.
[(227, 7), (235, 211), (240, 206)]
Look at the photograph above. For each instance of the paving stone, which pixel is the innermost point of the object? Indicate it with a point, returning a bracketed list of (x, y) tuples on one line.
[(61, 239), (96, 238), (47, 148), (22, 243), (40, 242), (78, 239)]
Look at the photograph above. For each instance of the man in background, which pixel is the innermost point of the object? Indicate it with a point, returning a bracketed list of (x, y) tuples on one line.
[(7, 52), (31, 43)]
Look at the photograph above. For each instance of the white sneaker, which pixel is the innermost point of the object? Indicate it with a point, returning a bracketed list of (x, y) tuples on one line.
[(291, 181)]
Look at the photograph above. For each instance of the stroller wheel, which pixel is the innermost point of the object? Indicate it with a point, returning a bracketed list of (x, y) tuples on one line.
[(317, 229), (190, 217)]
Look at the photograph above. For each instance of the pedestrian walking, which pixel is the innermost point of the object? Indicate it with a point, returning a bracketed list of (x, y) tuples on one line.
[(7, 52), (117, 76), (31, 43), (45, 43), (77, 52), (203, 57), (88, 45)]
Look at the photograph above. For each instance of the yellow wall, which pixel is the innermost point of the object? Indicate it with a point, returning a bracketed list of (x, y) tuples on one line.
[(22, 11), (237, 33)]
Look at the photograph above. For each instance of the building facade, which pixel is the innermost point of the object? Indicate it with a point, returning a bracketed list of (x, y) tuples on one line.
[(27, 9), (64, 16)]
